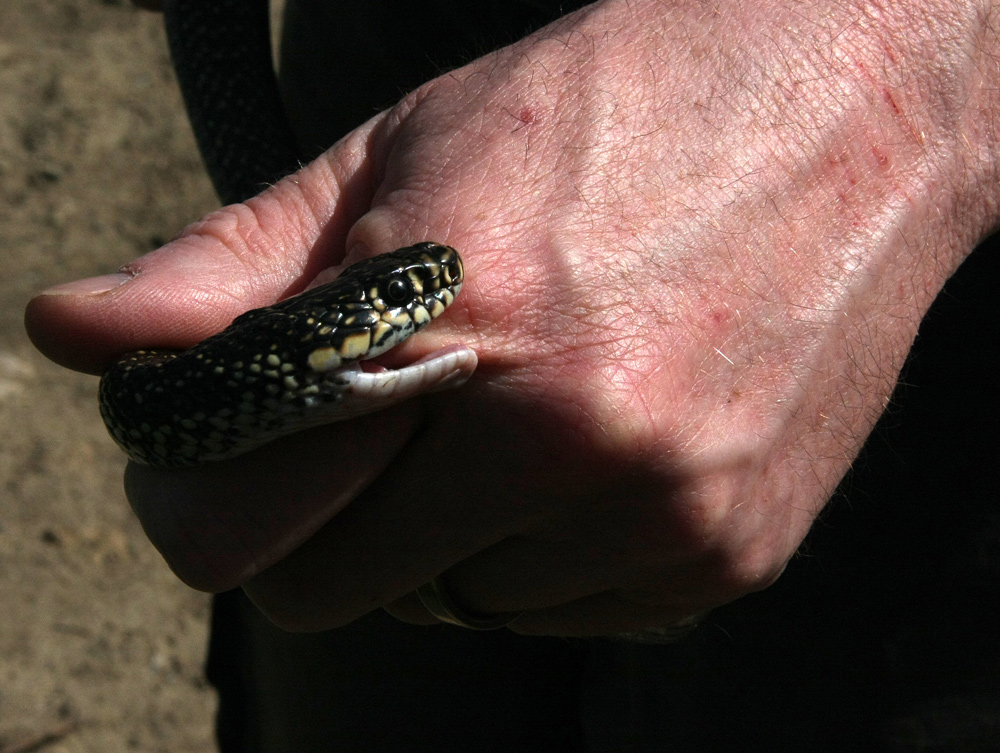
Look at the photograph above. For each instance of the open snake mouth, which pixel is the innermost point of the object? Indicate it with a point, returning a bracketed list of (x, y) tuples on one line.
[(377, 387)]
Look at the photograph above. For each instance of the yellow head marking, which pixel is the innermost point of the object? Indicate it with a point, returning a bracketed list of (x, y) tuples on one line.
[(355, 345), (324, 359)]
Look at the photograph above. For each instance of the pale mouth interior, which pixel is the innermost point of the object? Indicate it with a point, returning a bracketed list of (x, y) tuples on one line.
[(388, 361), (371, 386)]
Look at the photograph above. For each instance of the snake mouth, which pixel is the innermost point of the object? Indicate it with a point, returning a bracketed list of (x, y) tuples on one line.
[(392, 361), (410, 352), (370, 386), (370, 367)]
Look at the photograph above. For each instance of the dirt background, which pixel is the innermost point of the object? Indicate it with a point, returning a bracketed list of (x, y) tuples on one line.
[(101, 647)]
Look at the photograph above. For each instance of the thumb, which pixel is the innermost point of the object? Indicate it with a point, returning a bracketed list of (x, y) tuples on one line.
[(239, 257)]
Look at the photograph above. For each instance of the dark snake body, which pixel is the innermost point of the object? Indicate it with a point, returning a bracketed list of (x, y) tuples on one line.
[(221, 51)]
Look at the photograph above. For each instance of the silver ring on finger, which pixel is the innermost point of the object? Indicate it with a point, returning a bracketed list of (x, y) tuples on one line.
[(439, 602)]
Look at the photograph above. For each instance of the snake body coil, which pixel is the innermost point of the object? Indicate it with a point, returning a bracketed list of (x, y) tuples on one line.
[(286, 367)]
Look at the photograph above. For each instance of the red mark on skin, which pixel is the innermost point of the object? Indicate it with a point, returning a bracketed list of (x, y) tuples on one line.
[(917, 135), (892, 102), (526, 116), (880, 157)]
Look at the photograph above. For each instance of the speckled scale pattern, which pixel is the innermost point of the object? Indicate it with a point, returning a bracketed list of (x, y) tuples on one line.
[(222, 54), (278, 369)]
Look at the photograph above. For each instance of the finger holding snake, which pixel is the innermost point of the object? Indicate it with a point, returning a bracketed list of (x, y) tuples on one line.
[(666, 394)]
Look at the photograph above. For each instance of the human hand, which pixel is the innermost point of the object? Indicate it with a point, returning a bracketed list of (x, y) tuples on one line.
[(698, 244)]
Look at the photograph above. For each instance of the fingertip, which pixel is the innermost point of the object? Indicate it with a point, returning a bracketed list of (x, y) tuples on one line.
[(239, 257), (84, 325), (55, 328)]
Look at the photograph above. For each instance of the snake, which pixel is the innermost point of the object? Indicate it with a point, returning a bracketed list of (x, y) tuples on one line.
[(304, 361), (288, 367)]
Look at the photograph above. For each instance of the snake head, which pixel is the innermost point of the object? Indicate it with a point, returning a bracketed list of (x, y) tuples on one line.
[(375, 304)]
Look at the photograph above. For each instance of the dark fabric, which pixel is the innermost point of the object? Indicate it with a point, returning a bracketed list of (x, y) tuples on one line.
[(883, 635)]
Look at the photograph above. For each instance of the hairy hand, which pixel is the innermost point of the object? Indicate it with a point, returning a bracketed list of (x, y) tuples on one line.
[(699, 240)]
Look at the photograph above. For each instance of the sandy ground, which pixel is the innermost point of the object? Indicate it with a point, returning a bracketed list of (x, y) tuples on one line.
[(101, 648)]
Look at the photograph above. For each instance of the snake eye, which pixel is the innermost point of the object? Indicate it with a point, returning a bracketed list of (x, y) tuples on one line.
[(453, 271), (398, 291)]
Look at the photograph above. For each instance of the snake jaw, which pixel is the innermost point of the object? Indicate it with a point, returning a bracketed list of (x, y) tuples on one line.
[(370, 391)]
